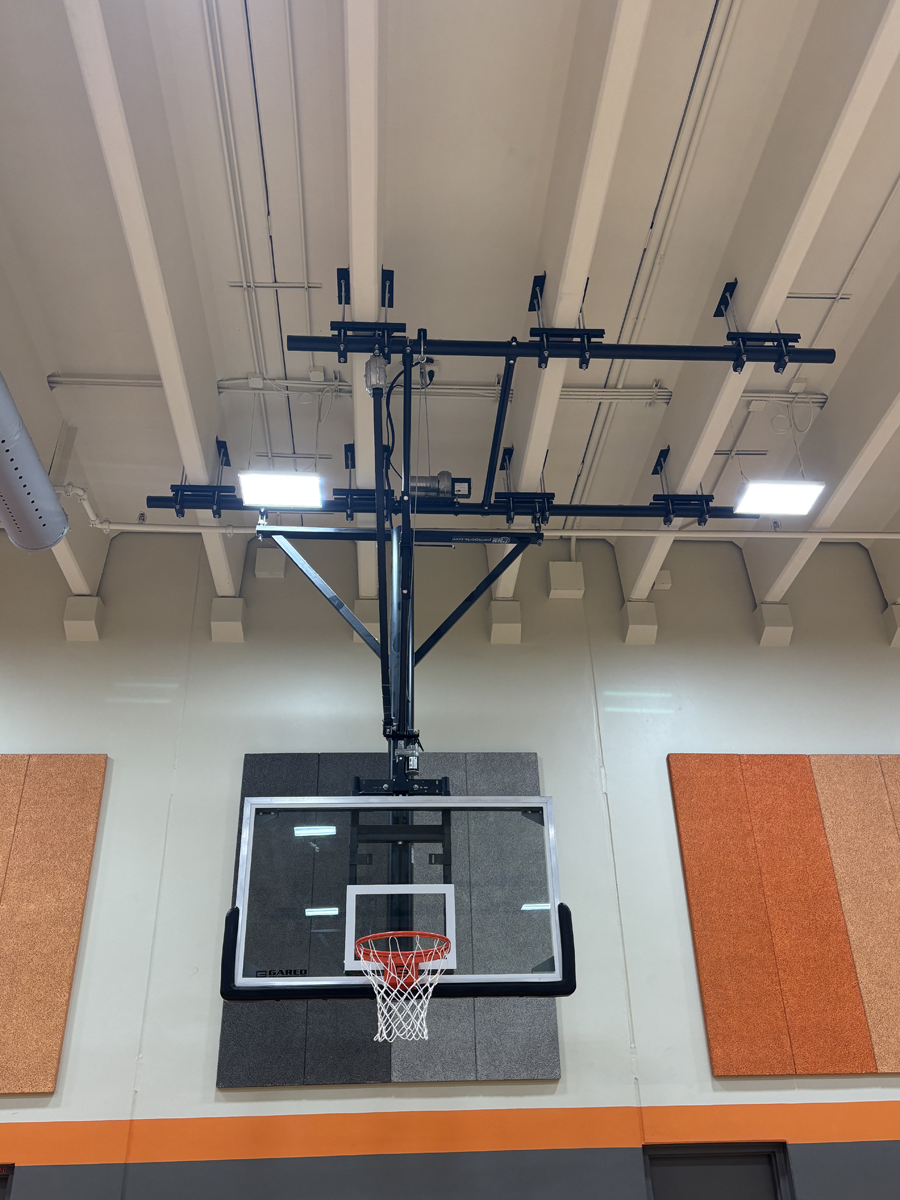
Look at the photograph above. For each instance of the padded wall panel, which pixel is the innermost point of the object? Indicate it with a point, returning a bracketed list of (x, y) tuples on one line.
[(890, 771), (865, 850), (12, 780), (819, 987), (745, 1018), (41, 910)]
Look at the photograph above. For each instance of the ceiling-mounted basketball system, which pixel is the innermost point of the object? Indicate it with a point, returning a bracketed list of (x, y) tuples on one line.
[(381, 342)]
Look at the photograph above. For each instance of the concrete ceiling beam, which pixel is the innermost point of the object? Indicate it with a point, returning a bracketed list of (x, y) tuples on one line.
[(593, 114), (25, 349), (129, 116), (805, 157), (361, 18), (856, 427), (591, 122)]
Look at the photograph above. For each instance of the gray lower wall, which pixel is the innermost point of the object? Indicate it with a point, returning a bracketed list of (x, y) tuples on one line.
[(839, 1171), (507, 1175), (324, 1042), (846, 1171)]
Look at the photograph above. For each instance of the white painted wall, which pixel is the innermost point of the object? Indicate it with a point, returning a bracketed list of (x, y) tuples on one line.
[(176, 714)]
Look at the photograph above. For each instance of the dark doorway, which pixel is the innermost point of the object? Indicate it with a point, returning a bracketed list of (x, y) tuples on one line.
[(717, 1172)]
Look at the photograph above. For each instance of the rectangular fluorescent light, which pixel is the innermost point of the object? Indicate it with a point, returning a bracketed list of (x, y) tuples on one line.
[(535, 907), (779, 497), (269, 489), (321, 912), (315, 830)]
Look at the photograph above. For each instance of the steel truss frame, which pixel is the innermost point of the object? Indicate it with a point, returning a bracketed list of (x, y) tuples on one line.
[(394, 512)]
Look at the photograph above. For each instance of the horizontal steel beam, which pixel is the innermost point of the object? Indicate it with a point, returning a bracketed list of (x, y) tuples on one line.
[(366, 344), (423, 537), (364, 503)]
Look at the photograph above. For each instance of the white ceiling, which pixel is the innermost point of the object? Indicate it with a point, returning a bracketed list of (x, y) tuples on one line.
[(729, 120)]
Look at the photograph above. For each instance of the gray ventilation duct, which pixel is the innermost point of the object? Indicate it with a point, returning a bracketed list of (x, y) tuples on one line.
[(30, 511)]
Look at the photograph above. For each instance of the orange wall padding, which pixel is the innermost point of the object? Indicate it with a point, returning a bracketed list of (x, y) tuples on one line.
[(745, 1019), (822, 1000), (825, 853), (49, 807), (865, 848)]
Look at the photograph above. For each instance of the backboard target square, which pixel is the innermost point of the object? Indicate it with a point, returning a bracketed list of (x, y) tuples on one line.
[(432, 909)]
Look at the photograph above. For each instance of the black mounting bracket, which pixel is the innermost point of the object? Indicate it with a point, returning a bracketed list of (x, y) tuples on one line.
[(387, 288), (406, 786), (725, 299), (537, 292), (578, 334), (381, 333), (535, 505), (783, 342), (214, 497), (684, 505), (343, 285)]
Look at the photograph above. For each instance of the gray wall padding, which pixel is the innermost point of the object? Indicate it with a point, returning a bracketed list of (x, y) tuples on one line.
[(289, 1043)]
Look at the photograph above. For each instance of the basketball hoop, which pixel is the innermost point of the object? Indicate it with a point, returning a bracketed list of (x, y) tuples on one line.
[(403, 979)]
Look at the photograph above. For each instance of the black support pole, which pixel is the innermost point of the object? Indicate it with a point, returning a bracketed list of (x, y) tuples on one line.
[(381, 542), (497, 441), (395, 636), (404, 543)]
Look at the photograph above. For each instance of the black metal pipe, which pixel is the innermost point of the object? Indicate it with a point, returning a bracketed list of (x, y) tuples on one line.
[(475, 594), (395, 639), (381, 539), (363, 344), (499, 422), (406, 551), (433, 506)]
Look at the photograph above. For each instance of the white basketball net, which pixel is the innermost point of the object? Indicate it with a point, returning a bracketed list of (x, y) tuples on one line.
[(403, 979)]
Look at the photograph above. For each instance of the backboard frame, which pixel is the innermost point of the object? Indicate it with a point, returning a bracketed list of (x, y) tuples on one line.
[(560, 982)]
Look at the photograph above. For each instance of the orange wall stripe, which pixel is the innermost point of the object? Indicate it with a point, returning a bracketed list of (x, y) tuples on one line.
[(41, 911), (865, 850), (746, 1026), (206, 1139), (865, 1121), (822, 1000)]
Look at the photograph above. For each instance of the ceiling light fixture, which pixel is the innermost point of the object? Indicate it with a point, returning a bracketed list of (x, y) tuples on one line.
[(321, 912), (315, 830), (267, 489), (535, 907), (779, 497)]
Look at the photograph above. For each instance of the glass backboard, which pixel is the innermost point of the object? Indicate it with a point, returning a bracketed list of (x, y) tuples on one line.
[(315, 874)]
